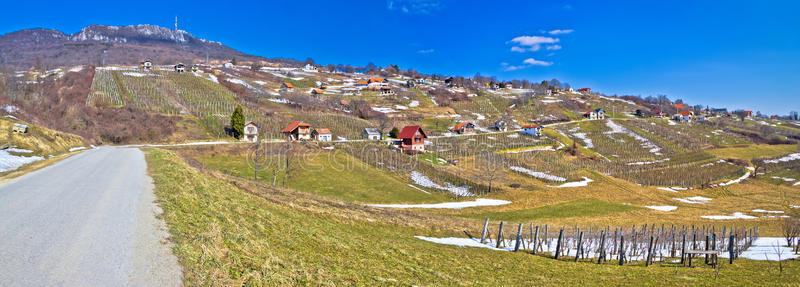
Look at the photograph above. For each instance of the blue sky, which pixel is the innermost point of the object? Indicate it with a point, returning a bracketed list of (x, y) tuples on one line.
[(739, 54)]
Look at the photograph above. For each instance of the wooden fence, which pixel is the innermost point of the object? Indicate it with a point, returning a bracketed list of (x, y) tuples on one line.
[(648, 243)]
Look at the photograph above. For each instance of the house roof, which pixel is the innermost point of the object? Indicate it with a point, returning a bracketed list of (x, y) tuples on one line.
[(589, 112), (294, 126), (371, 131), (531, 126), (461, 125), (679, 106), (685, 113), (373, 80), (599, 110), (362, 83), (251, 123), (288, 85), (323, 131), (584, 89), (409, 132), (317, 91), (386, 88)]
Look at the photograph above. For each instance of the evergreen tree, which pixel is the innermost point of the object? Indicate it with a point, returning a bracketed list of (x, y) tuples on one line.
[(237, 122), (234, 62), (394, 133)]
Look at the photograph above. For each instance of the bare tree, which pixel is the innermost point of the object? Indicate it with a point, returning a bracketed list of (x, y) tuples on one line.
[(490, 167)]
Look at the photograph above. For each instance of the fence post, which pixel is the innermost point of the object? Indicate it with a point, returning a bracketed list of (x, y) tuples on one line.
[(730, 248), (500, 235), (535, 240), (708, 239), (621, 250), (558, 243), (683, 251), (485, 230), (649, 252), (519, 238), (580, 246), (602, 254)]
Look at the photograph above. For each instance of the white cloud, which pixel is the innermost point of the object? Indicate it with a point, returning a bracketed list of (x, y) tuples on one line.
[(559, 31), (518, 49), (426, 51), (534, 62), (414, 6), (554, 47), (527, 63), (531, 43)]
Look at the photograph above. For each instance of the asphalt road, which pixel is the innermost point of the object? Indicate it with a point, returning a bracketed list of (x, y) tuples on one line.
[(88, 220)]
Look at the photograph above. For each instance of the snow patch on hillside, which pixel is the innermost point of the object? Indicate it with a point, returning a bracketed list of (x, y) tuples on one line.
[(424, 181), (449, 205), (536, 174)]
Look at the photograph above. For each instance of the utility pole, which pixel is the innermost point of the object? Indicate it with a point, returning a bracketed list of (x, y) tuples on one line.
[(176, 23)]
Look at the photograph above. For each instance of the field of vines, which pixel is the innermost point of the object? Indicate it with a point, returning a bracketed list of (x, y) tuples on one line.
[(546, 162), (460, 146), (708, 132), (622, 145), (162, 92), (388, 159)]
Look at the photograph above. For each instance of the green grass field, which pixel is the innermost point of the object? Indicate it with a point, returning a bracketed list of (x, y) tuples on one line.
[(244, 235), (575, 208)]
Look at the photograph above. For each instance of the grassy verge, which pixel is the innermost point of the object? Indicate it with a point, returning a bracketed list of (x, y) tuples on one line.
[(752, 151), (226, 236)]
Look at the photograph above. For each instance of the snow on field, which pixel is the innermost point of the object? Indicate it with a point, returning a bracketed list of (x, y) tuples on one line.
[(479, 116), (536, 174), (662, 207), (279, 75), (9, 162), (646, 143), (784, 178), (668, 189), (587, 142), (77, 148), (461, 242), (135, 74), (449, 205), (240, 82), (767, 211), (281, 101), (584, 182), (738, 180), (417, 188), (767, 248), (694, 200), (399, 107), (513, 136), (617, 100), (671, 123), (791, 157), (735, 215), (18, 150), (647, 162), (422, 180), (796, 183), (10, 109), (76, 69), (213, 78), (260, 82), (384, 110), (414, 104), (551, 101)]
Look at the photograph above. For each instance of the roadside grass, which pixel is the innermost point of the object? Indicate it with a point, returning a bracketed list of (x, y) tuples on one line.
[(334, 174), (576, 208), (753, 151), (226, 236)]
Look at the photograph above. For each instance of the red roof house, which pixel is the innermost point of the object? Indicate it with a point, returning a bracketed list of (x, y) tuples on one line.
[(412, 139), (298, 131), (464, 128), (585, 90)]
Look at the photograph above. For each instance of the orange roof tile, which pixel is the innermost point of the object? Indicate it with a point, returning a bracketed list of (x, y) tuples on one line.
[(294, 126), (460, 125), (288, 85), (531, 126), (323, 131)]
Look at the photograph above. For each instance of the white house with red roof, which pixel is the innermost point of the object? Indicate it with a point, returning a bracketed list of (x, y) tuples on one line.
[(298, 130), (532, 130), (412, 139)]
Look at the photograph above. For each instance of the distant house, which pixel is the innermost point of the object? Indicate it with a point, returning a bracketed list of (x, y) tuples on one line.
[(494, 86), (146, 65), (19, 128), (643, 113), (298, 131), (250, 132), (450, 82), (679, 106), (683, 117), (532, 129), (748, 114), (377, 82), (410, 84), (501, 125), (287, 87), (317, 92), (411, 139), (323, 135), (310, 68), (361, 84), (371, 134), (570, 90), (585, 90), (658, 113), (719, 111), (227, 65), (180, 68), (465, 128), (195, 68), (596, 114), (386, 91)]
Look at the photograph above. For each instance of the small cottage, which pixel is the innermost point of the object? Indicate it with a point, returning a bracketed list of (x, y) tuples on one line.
[(298, 130), (411, 140), (323, 135), (501, 125), (532, 129), (371, 134), (585, 90), (287, 87), (465, 128), (195, 68), (377, 82), (317, 92), (180, 68), (310, 68), (386, 91), (19, 128), (596, 114), (683, 117), (227, 65), (250, 132), (146, 65)]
